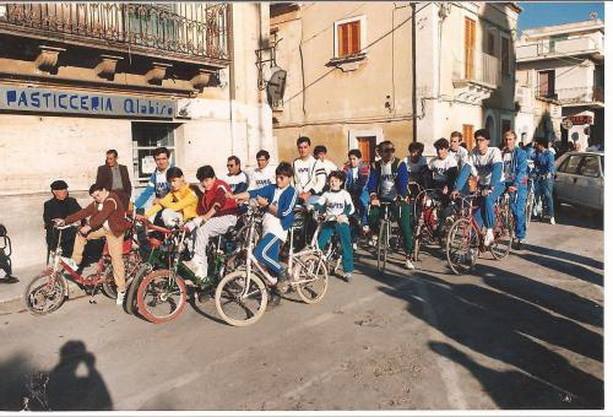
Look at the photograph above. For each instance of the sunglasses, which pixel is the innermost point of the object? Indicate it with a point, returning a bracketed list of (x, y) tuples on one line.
[(387, 150), (230, 166)]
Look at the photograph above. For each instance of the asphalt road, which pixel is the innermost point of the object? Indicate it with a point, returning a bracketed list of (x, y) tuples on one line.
[(526, 332)]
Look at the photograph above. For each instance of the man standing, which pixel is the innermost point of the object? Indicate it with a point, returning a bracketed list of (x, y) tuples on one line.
[(106, 219), (458, 152), (515, 170), (309, 176), (321, 152), (158, 184), (236, 178), (59, 207), (114, 177), (544, 169), (264, 174)]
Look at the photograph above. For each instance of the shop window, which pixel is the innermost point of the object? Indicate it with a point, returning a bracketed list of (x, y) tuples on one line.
[(145, 138)]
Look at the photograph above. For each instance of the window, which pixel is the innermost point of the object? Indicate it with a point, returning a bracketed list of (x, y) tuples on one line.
[(348, 38), (505, 56), (590, 167), (468, 135), (145, 138), (491, 42), (570, 165), (469, 48), (546, 83)]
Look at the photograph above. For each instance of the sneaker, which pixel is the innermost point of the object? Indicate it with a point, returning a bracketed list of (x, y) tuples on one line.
[(121, 295), (347, 276), (274, 301), (552, 220), (355, 247), (283, 281), (517, 245), (489, 238), (366, 229), (70, 262), (408, 263)]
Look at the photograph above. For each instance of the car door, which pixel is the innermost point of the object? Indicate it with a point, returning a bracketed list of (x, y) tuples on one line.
[(566, 178), (589, 182)]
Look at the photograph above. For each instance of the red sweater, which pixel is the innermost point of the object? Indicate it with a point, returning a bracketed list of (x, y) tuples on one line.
[(216, 197)]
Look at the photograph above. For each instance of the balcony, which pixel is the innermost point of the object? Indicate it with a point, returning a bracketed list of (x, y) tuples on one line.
[(567, 47), (188, 32), (476, 83), (581, 96)]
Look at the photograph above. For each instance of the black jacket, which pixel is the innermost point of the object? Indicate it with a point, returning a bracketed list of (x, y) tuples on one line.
[(57, 209)]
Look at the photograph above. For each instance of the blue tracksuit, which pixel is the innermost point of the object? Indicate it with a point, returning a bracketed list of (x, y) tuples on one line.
[(545, 168), (516, 175), (274, 226)]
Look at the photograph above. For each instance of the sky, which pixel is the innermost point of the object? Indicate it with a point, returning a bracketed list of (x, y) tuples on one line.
[(552, 13)]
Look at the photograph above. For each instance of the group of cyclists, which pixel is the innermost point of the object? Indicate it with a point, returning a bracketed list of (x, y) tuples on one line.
[(351, 197)]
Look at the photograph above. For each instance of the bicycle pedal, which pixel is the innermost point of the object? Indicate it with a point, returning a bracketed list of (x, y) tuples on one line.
[(92, 301)]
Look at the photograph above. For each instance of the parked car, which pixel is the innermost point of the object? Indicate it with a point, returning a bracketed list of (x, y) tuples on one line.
[(579, 180)]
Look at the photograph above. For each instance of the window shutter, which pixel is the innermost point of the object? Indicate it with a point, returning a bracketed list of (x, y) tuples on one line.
[(469, 47), (355, 41)]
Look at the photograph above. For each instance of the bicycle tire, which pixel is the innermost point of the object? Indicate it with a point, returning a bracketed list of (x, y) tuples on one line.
[(145, 308), (472, 244), (32, 293), (417, 243), (141, 273), (503, 233), (131, 261), (305, 290), (382, 248), (230, 287)]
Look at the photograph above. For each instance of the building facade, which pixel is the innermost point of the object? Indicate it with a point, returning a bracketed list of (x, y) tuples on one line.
[(560, 77), (350, 68), (77, 79)]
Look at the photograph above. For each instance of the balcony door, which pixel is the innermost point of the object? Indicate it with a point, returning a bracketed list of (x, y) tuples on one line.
[(469, 48)]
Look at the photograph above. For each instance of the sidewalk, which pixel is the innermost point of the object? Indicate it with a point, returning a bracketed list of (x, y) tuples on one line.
[(11, 294)]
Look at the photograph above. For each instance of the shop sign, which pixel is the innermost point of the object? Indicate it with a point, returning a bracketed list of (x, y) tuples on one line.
[(584, 119), (41, 100)]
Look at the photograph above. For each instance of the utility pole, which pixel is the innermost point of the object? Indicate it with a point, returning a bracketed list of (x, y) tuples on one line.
[(414, 69)]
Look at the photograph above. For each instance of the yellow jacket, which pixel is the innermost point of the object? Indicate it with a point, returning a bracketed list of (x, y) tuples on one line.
[(184, 201)]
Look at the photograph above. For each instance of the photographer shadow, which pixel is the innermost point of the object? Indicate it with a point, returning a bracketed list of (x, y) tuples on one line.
[(75, 383)]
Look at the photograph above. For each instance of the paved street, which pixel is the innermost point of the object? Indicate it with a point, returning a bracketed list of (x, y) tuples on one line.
[(526, 332)]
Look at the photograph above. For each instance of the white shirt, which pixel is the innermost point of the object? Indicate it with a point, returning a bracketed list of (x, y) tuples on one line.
[(259, 178), (507, 160), (388, 185), (309, 174), (336, 202), (271, 223), (439, 167), (460, 155), (234, 180), (328, 166), (481, 165)]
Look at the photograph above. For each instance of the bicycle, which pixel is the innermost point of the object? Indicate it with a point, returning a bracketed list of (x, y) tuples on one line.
[(465, 238), (426, 211), (242, 296), (48, 291)]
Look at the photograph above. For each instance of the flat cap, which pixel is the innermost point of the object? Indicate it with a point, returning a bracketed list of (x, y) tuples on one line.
[(59, 185)]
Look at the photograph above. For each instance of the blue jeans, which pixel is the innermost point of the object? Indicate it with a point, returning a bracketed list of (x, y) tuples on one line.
[(344, 233), (486, 211), (267, 253), (518, 208), (543, 188)]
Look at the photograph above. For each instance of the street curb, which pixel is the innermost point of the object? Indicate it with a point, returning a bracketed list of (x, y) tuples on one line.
[(15, 304)]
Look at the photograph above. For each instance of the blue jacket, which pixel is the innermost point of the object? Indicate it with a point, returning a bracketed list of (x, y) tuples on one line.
[(400, 173), (149, 191), (287, 201), (544, 163), (358, 189), (520, 167)]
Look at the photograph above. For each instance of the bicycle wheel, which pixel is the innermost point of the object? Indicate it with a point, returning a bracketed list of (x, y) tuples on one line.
[(236, 306), (382, 247), (161, 297), (45, 294), (503, 235), (141, 273), (311, 275), (529, 208), (417, 242), (131, 263), (462, 246)]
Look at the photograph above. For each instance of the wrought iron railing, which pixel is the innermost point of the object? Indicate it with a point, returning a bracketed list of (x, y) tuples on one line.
[(192, 30)]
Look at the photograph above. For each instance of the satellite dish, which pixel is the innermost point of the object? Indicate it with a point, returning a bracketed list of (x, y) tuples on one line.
[(276, 86)]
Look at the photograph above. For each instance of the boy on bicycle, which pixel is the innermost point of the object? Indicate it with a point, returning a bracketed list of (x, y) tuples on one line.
[(516, 180), (388, 182), (444, 171), (106, 219), (337, 204), (179, 204), (278, 201), (484, 162)]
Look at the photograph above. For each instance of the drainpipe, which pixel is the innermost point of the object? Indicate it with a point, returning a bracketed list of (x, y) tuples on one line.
[(414, 67)]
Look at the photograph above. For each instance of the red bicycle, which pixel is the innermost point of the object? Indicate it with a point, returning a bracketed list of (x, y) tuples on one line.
[(426, 211), (465, 237), (48, 291)]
